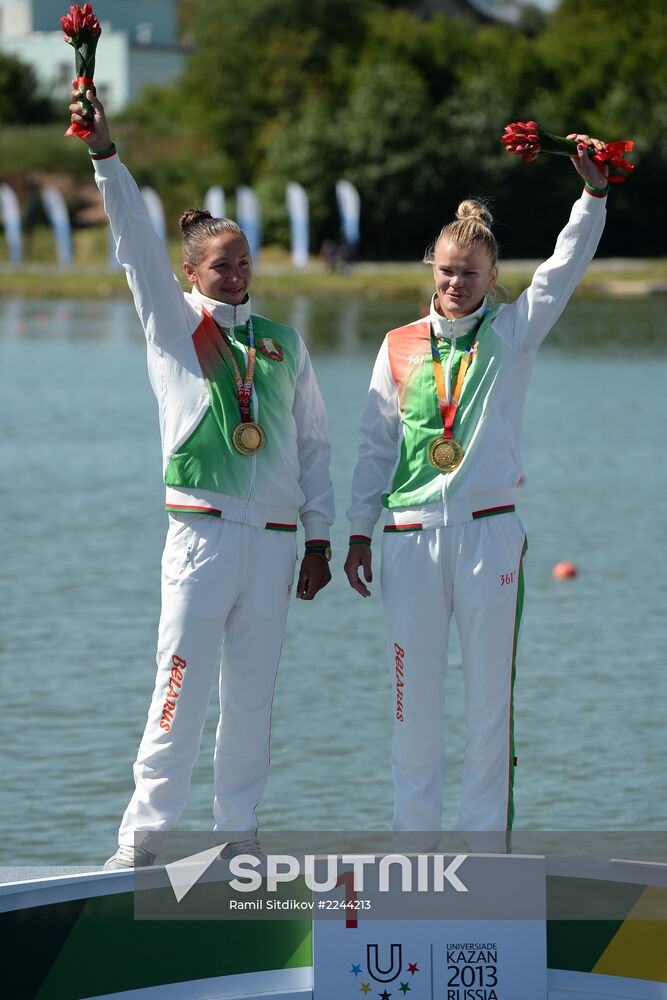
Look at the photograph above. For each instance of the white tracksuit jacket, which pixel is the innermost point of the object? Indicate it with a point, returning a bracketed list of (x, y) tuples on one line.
[(290, 476)]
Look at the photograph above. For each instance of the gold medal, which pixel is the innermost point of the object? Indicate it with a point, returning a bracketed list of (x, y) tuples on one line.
[(445, 454), (248, 438)]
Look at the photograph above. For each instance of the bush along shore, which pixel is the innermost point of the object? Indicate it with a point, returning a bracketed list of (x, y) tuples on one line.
[(370, 281)]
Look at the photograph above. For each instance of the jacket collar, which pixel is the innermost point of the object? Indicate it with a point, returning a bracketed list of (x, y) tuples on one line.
[(452, 329), (224, 314)]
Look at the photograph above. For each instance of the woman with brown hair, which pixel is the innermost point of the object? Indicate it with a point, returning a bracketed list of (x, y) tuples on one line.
[(246, 454)]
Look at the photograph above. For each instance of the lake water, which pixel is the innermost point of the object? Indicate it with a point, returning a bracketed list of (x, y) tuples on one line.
[(82, 532)]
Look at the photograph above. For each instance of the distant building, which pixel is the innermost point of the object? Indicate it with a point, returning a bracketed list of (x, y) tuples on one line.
[(139, 45), (498, 10), (507, 11)]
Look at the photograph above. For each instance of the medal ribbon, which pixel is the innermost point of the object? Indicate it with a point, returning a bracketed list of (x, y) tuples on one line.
[(244, 384), (448, 406)]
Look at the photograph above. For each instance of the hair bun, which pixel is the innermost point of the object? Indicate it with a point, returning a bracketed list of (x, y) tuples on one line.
[(192, 217), (473, 209)]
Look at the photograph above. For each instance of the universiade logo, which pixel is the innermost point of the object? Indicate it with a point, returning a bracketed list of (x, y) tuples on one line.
[(420, 873)]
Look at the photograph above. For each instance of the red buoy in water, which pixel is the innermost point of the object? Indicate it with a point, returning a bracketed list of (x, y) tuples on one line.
[(564, 571)]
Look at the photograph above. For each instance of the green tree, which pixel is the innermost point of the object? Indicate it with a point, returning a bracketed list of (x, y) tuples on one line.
[(258, 62), (588, 48), (411, 110), (308, 149), (160, 110), (607, 75), (21, 100), (385, 130)]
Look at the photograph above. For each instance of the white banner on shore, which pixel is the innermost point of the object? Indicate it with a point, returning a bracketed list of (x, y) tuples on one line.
[(297, 208), (11, 220), (249, 218), (349, 207), (58, 217), (214, 202)]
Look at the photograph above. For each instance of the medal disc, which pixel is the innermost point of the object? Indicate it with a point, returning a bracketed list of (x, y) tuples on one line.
[(248, 438), (445, 454)]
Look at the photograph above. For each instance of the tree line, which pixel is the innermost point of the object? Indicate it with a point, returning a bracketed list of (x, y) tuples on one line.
[(410, 109)]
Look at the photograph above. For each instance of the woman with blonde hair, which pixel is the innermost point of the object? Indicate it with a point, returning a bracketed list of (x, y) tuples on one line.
[(439, 458)]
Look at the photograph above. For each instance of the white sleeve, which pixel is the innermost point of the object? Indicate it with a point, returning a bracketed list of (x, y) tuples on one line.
[(380, 433), (318, 510), (526, 322), (158, 296)]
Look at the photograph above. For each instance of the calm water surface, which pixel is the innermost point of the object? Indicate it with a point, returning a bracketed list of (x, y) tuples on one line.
[(82, 532)]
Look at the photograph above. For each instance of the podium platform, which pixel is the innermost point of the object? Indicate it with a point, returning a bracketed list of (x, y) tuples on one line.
[(77, 936)]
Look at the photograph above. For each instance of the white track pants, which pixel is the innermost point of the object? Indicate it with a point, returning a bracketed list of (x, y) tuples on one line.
[(474, 571), (221, 582)]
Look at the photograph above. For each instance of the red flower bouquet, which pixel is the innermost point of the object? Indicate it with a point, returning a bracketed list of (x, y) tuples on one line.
[(82, 31), (528, 140)]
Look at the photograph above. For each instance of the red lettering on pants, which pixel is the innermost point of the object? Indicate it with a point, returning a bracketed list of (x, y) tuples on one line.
[(400, 684), (176, 676)]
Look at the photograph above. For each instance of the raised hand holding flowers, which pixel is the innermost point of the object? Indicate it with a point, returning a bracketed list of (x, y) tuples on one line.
[(528, 140), (594, 174), (82, 31)]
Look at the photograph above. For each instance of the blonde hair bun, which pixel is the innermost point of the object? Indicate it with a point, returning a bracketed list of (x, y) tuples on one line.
[(470, 228), (471, 208)]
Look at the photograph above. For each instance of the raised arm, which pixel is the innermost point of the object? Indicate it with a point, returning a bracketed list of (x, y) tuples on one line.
[(157, 293), (526, 323)]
